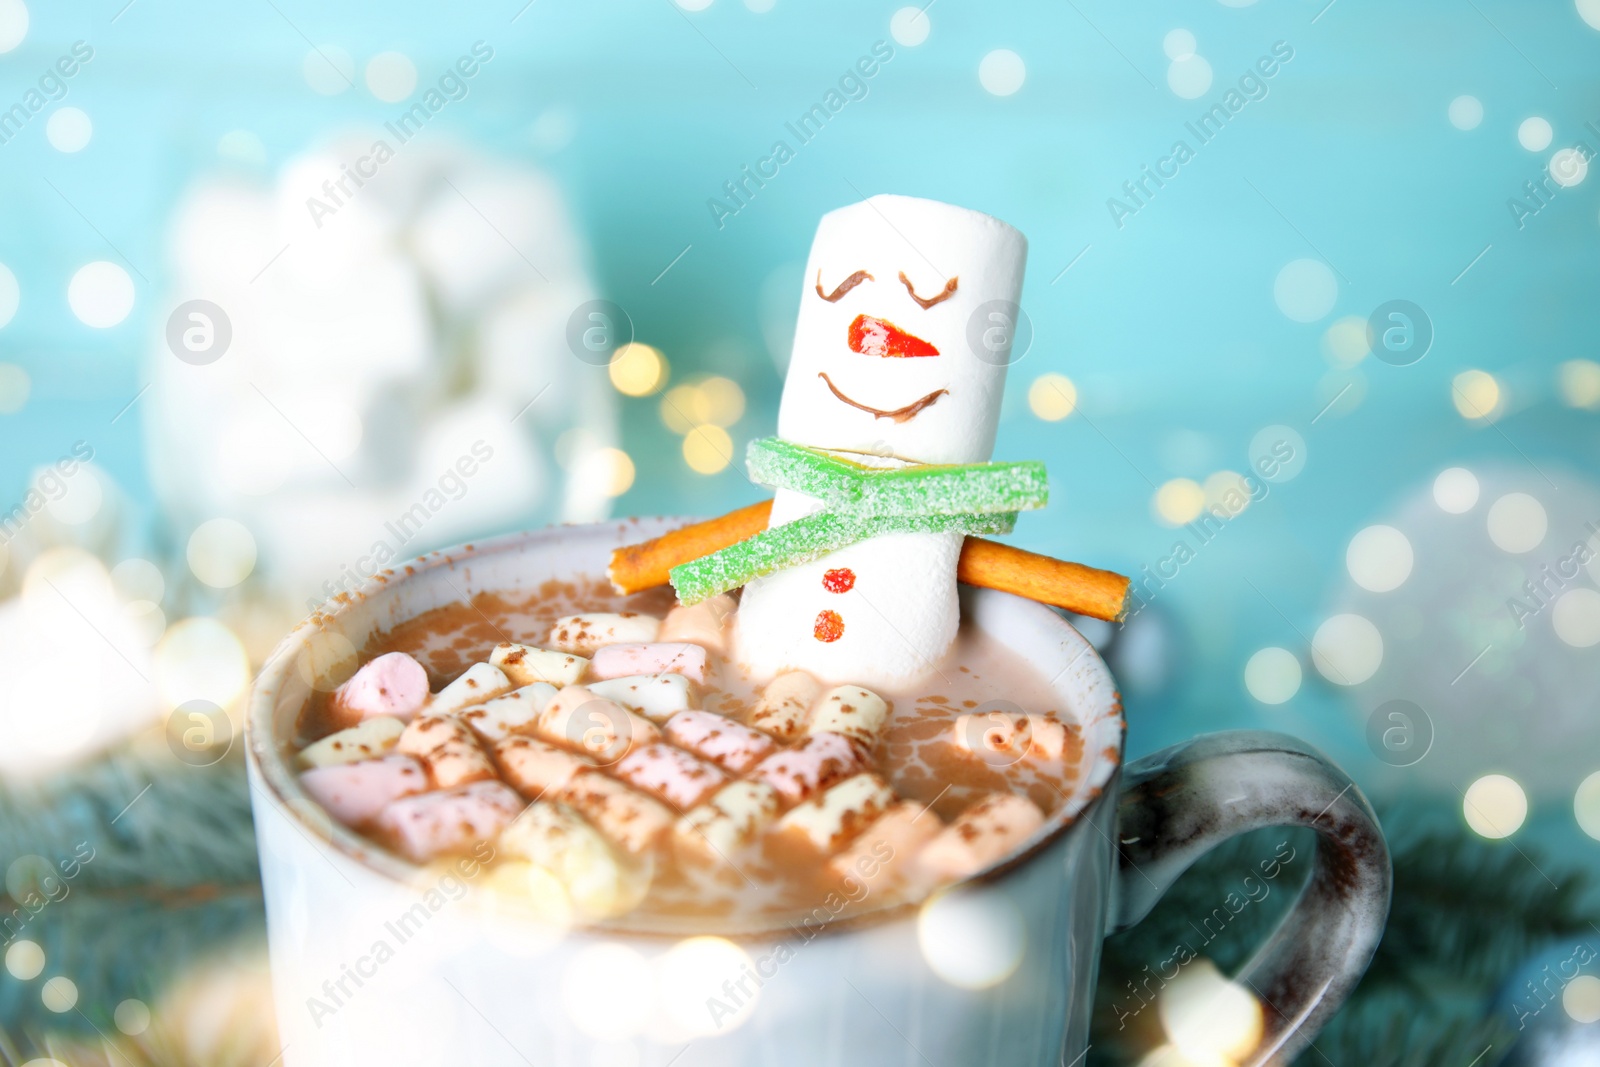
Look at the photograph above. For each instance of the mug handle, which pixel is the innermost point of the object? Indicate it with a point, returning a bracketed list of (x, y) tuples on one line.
[(1179, 803)]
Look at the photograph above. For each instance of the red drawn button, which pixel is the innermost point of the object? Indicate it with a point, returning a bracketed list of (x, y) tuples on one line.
[(829, 627)]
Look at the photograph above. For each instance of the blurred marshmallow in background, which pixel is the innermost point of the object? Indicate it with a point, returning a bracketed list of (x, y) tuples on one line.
[(398, 373)]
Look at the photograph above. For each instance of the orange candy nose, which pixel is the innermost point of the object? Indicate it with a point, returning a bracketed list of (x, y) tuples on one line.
[(880, 337)]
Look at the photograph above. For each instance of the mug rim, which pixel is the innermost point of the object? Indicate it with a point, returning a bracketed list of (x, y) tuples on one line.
[(265, 754)]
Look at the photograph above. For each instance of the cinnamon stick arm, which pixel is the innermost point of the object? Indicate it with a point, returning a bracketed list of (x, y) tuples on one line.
[(1073, 586), (646, 565), (987, 564)]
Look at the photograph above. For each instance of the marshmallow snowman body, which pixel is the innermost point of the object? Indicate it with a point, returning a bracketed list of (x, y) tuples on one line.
[(900, 355)]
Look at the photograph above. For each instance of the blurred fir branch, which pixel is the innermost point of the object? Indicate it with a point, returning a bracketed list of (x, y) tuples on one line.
[(1466, 913)]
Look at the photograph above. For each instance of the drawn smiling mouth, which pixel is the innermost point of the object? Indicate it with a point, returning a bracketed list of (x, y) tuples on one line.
[(905, 414)]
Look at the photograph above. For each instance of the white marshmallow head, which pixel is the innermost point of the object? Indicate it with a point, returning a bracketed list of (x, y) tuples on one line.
[(874, 370)]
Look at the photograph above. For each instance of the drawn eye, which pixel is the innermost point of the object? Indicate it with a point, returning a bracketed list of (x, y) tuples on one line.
[(845, 286), (928, 302)]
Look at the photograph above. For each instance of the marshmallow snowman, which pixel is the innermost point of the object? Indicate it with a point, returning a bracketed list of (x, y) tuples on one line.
[(900, 356)]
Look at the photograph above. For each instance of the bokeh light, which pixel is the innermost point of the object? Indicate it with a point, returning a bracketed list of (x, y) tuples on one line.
[(707, 449), (973, 939), (1208, 1017), (79, 498), (909, 26), (1002, 72), (1586, 805), (637, 369), (132, 1017), (1477, 395), (391, 76), (1579, 380), (138, 579), (1495, 806), (69, 129), (1179, 501), (1576, 617), (691, 986), (1347, 649), (59, 994), (1466, 112), (1052, 397), (1455, 490), (1379, 559), (1226, 492), (1345, 342), (221, 553), (15, 385), (1272, 675), (1535, 134), (24, 960), (100, 294), (201, 659), (1580, 999), (1517, 523), (1305, 290), (609, 469)]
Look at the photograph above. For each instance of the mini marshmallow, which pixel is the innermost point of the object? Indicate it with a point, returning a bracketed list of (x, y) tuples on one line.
[(585, 633), (713, 832), (702, 624), (850, 710), (427, 732), (393, 684), (1048, 737), (480, 682), (525, 665), (670, 774), (367, 739), (982, 834), (730, 745), (627, 818), (657, 697), (993, 734), (598, 883), (619, 661), (815, 764), (884, 853), (447, 749), (832, 819), (354, 793), (577, 719), (784, 709), (513, 713), (429, 824), (537, 767)]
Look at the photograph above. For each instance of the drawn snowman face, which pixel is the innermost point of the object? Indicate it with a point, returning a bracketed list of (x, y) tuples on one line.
[(905, 331)]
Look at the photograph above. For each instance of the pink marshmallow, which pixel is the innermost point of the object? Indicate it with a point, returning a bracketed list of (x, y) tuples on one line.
[(428, 824), (354, 793), (670, 774), (672, 657), (730, 745), (393, 684), (820, 761)]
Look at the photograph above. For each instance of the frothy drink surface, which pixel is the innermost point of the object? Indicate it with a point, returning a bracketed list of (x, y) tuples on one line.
[(691, 820)]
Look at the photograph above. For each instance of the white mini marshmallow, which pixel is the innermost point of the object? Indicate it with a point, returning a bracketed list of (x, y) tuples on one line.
[(577, 719), (392, 684), (658, 697), (525, 665), (857, 713), (480, 682), (1047, 737), (720, 828), (536, 767), (831, 820), (703, 624), (584, 633), (784, 709), (628, 818), (598, 881), (900, 615), (981, 835), (513, 713), (365, 740), (620, 661), (885, 853)]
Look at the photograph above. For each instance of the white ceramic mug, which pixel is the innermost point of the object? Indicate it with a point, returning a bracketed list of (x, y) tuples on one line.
[(377, 962)]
